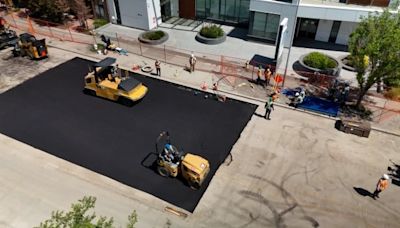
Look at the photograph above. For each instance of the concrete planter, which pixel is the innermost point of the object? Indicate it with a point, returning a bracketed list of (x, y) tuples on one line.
[(343, 60), (212, 41), (153, 42), (330, 71)]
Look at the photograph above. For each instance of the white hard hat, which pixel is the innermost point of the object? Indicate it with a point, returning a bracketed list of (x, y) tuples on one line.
[(192, 55), (385, 176), (297, 94)]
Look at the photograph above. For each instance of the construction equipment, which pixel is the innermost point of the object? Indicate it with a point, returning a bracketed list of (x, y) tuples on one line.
[(172, 162), (29, 46), (105, 80), (8, 37)]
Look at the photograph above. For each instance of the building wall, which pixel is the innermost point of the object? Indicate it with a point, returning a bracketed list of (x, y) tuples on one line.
[(324, 30), (142, 14), (154, 13), (346, 28), (134, 13), (111, 11), (334, 13), (283, 9)]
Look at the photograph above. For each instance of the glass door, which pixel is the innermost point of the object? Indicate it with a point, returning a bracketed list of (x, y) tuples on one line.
[(334, 31)]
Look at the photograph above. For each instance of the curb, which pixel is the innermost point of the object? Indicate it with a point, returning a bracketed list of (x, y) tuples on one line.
[(241, 97)]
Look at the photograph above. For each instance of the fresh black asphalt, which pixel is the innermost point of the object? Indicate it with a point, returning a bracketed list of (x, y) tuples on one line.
[(50, 112)]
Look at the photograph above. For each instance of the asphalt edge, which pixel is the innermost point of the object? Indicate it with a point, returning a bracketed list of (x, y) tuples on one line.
[(231, 94)]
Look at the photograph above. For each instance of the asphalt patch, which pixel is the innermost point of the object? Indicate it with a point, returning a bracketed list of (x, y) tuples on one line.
[(50, 112)]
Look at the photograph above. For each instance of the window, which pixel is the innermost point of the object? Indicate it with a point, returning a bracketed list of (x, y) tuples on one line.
[(264, 25), (88, 80), (201, 8), (236, 11)]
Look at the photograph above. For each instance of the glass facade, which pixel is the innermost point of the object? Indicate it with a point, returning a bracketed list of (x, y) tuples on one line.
[(264, 25), (233, 11)]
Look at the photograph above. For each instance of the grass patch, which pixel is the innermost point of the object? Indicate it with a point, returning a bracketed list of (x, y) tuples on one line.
[(154, 35), (212, 31), (100, 47), (319, 61), (97, 23), (393, 94)]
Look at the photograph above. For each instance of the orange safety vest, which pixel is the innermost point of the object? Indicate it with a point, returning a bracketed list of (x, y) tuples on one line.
[(382, 184), (267, 74)]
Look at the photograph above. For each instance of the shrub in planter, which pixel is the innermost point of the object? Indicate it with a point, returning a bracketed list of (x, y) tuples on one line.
[(154, 35), (319, 61), (212, 31)]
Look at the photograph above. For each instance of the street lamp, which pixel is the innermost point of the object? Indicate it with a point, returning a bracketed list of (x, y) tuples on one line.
[(291, 42)]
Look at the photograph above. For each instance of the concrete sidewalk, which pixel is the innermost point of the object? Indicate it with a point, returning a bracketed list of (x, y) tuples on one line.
[(234, 46), (295, 170)]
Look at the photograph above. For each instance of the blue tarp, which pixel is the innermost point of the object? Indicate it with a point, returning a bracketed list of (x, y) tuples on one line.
[(319, 105)]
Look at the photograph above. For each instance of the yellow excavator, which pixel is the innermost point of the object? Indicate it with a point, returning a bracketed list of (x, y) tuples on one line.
[(172, 162), (28, 45), (105, 80)]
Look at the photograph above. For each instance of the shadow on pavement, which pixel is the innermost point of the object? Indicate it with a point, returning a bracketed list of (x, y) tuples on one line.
[(239, 33), (258, 60), (311, 43), (259, 115), (362, 191), (394, 173)]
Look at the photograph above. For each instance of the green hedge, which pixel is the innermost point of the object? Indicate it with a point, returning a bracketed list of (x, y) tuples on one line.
[(212, 31), (154, 35), (319, 61)]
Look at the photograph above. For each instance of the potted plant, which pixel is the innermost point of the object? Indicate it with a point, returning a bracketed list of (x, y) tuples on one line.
[(211, 34), (153, 37), (320, 63)]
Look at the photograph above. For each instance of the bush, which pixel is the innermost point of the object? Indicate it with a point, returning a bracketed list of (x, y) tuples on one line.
[(319, 61), (212, 31), (99, 22), (154, 35), (393, 93), (392, 82)]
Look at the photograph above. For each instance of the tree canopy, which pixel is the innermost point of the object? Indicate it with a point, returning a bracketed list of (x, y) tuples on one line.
[(79, 217), (375, 50)]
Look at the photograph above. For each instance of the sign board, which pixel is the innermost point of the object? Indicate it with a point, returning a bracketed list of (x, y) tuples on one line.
[(280, 41)]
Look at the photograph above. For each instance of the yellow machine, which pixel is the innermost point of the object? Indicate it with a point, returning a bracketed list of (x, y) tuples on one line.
[(103, 80), (172, 162), (28, 45)]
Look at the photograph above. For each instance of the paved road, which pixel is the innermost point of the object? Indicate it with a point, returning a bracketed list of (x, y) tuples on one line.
[(295, 170)]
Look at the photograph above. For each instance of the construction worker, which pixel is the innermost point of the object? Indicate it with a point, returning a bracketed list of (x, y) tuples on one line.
[(259, 74), (267, 75), (269, 106), (192, 62), (158, 67), (381, 185)]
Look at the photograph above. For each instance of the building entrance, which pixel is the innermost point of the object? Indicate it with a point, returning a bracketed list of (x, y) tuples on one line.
[(187, 9), (306, 28), (166, 12)]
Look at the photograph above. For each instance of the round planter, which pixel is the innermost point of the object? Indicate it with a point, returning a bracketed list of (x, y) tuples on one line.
[(343, 61), (330, 71), (153, 42), (205, 40)]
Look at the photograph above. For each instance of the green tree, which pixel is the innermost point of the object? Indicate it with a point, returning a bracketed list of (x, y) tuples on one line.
[(375, 50), (46, 9), (82, 12), (78, 217)]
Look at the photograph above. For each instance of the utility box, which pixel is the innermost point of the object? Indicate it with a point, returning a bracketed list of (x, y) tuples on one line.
[(356, 127)]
